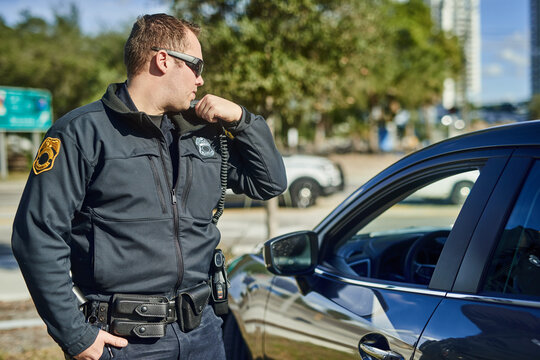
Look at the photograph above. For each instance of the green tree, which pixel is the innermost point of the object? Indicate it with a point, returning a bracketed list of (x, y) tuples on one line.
[(58, 57), (421, 57), (424, 56), (275, 57), (315, 63), (309, 64)]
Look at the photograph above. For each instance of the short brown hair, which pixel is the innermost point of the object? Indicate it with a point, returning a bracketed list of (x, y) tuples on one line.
[(160, 30)]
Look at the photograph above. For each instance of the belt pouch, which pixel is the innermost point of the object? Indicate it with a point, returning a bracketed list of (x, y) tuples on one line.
[(139, 315), (190, 304), (142, 330)]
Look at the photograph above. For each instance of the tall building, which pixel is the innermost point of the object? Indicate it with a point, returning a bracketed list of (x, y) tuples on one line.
[(462, 18), (535, 46)]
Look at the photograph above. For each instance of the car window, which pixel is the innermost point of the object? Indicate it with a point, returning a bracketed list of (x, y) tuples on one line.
[(515, 266), (404, 242), (433, 206)]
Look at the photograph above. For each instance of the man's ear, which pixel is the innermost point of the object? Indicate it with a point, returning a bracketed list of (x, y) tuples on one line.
[(160, 61)]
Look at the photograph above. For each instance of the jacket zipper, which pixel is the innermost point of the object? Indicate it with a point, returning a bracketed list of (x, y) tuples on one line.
[(158, 184), (178, 249)]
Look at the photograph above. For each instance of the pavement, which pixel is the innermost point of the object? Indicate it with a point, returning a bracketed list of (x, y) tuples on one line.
[(241, 229), (11, 280)]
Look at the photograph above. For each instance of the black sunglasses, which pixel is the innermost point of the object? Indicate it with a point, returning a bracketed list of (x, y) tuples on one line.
[(194, 63)]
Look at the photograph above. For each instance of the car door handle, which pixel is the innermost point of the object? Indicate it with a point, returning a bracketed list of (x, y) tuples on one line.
[(380, 354)]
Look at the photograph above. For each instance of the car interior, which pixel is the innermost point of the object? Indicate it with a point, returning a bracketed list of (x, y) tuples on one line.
[(404, 241)]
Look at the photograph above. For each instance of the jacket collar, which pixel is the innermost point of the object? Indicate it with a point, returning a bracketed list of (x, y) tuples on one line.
[(185, 122)]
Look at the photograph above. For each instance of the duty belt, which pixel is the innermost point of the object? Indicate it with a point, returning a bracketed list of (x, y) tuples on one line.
[(146, 316)]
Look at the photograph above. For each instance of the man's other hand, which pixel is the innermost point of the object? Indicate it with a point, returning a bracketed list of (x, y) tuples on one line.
[(95, 350)]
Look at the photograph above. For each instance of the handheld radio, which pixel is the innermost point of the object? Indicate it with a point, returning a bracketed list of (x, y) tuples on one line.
[(220, 283)]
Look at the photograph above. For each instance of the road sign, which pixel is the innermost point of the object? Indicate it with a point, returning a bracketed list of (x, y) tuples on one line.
[(24, 109)]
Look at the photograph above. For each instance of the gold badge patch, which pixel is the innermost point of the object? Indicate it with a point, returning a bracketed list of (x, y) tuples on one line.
[(48, 151)]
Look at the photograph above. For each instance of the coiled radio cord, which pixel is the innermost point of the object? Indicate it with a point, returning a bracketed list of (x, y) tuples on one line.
[(223, 175)]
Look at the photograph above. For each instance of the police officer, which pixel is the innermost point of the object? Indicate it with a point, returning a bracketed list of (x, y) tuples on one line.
[(120, 203)]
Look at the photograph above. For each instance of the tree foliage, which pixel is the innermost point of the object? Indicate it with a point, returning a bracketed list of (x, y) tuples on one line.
[(306, 61), (58, 57)]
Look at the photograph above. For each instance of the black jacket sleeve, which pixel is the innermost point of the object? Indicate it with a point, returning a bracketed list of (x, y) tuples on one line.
[(40, 240), (256, 166)]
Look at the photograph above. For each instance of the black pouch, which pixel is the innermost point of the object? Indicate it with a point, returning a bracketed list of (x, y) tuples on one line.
[(127, 328), (139, 315), (190, 305)]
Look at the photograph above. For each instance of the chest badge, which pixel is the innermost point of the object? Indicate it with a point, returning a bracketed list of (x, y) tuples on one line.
[(204, 147)]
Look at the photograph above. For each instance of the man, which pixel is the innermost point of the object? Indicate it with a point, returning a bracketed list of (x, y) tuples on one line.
[(122, 194)]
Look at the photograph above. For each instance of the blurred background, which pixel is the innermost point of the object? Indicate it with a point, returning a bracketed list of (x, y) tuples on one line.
[(361, 83), (331, 76)]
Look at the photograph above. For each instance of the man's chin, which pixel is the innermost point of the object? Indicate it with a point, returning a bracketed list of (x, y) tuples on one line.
[(181, 108)]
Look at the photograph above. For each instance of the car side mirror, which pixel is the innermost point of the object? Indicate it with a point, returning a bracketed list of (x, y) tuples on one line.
[(292, 254)]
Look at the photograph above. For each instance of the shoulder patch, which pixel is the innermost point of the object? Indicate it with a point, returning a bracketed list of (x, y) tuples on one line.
[(48, 151)]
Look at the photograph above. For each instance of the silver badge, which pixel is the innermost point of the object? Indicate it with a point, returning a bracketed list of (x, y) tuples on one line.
[(205, 149)]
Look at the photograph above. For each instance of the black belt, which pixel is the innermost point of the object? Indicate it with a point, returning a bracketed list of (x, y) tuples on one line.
[(146, 316)]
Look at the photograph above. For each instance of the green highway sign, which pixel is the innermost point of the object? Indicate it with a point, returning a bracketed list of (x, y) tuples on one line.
[(23, 109)]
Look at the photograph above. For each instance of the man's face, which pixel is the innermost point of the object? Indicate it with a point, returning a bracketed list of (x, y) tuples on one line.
[(183, 81)]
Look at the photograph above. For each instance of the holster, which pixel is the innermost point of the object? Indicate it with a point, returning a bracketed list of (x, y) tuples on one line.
[(190, 305)]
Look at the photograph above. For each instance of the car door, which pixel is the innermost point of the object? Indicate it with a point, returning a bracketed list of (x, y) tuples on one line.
[(493, 310), (360, 301), (250, 284)]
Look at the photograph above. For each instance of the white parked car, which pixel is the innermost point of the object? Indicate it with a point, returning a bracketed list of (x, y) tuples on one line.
[(308, 177), (453, 189)]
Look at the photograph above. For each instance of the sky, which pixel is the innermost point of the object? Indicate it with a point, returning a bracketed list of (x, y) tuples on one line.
[(505, 50), (504, 32)]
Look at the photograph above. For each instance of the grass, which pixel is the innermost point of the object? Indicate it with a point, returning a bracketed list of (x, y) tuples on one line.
[(16, 176), (50, 353)]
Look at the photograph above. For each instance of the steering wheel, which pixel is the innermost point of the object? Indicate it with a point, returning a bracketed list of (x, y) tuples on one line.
[(415, 271)]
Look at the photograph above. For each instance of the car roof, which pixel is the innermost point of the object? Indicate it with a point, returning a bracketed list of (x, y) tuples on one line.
[(522, 134)]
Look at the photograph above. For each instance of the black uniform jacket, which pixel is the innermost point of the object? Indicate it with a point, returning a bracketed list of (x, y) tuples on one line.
[(100, 202)]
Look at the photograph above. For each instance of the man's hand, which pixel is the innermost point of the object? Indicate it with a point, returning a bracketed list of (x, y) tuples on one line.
[(95, 350), (212, 108)]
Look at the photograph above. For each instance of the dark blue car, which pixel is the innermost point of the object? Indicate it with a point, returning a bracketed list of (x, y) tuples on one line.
[(391, 275)]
